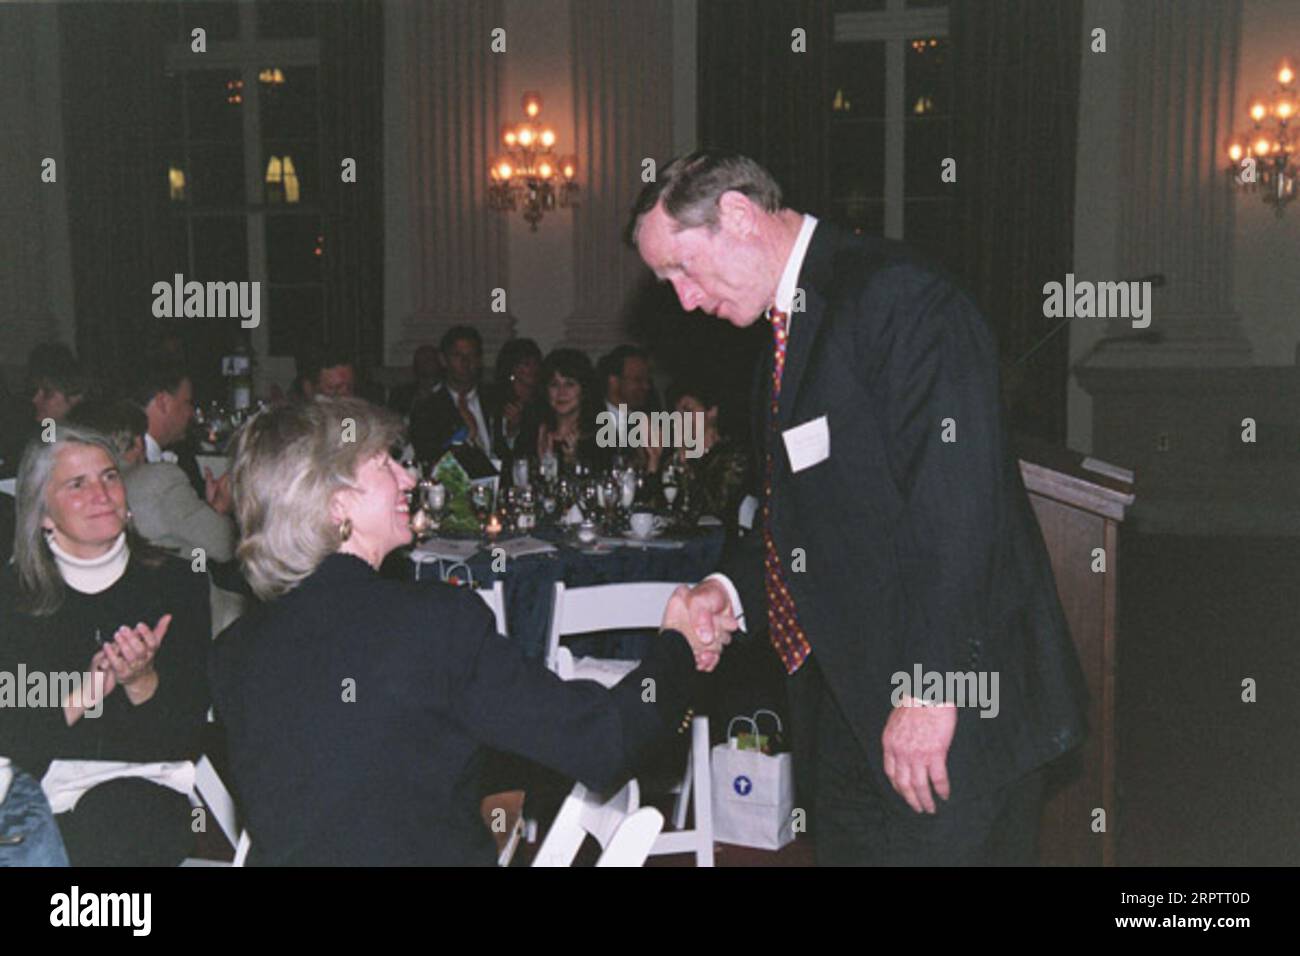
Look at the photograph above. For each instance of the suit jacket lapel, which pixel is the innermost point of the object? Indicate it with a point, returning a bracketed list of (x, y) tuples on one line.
[(814, 280)]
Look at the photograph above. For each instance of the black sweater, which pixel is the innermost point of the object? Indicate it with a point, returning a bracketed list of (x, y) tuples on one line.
[(358, 709), (165, 727)]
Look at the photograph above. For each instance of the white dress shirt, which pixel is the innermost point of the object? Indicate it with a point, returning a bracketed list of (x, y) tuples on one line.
[(783, 302), (153, 452)]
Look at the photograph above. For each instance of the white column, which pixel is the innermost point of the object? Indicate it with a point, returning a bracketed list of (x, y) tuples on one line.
[(457, 253), (623, 114), (1176, 212)]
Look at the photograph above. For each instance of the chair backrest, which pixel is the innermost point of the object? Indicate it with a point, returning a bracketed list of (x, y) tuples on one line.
[(209, 785), (605, 607), (495, 598), (624, 830)]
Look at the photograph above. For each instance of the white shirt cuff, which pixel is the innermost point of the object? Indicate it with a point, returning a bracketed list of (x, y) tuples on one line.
[(737, 608)]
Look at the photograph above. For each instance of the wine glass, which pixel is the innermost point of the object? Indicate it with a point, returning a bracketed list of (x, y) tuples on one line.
[(480, 496)]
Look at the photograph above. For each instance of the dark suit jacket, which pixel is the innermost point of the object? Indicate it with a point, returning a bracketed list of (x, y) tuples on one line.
[(435, 419), (918, 551), (391, 777)]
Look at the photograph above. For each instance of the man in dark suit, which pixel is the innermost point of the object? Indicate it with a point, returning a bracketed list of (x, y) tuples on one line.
[(426, 365), (896, 542), (460, 404)]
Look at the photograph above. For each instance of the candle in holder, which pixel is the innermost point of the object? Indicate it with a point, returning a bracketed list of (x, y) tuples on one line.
[(493, 526)]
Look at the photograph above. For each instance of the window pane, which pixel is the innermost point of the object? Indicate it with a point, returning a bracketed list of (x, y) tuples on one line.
[(927, 77), (289, 173), (176, 173), (297, 320), (171, 108), (858, 160), (294, 248), (216, 176), (926, 144), (288, 102), (219, 19), (215, 100), (176, 255), (928, 225), (286, 19), (220, 249), (858, 78), (863, 216)]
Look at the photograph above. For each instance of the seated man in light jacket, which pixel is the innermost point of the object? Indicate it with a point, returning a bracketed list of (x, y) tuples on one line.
[(164, 507)]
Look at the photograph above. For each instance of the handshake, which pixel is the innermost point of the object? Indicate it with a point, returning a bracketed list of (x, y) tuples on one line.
[(704, 616)]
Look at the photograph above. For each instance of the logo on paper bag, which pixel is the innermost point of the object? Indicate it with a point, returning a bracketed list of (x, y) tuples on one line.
[(742, 785)]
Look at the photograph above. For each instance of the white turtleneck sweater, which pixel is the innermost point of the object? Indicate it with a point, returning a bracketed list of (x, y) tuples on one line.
[(92, 575)]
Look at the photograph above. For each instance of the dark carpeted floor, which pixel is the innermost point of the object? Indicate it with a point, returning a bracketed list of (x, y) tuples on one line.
[(1206, 779)]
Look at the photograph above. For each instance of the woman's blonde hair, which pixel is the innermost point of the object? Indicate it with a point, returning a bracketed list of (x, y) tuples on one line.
[(290, 461)]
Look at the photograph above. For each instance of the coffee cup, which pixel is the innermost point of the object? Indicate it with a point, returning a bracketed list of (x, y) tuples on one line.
[(6, 777), (643, 524)]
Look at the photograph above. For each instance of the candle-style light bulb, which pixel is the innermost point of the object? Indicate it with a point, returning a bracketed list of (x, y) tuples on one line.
[(1258, 111), (1234, 152), (1285, 75)]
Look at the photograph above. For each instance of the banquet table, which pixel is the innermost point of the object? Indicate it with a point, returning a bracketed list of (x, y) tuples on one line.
[(530, 579)]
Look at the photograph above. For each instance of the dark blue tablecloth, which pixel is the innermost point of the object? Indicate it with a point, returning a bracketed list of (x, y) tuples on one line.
[(530, 581)]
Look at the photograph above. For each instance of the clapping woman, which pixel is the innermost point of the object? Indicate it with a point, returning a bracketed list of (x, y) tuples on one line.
[(84, 595)]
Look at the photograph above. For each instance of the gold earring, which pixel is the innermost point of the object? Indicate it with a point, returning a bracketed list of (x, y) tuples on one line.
[(345, 529)]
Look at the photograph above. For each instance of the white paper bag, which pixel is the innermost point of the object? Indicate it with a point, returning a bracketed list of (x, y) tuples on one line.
[(753, 794)]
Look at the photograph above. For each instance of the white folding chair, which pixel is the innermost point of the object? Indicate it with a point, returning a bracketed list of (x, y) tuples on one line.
[(211, 790), (604, 607), (495, 598), (624, 830)]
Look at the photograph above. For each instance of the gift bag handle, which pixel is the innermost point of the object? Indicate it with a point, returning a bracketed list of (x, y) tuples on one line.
[(748, 720), (779, 729)]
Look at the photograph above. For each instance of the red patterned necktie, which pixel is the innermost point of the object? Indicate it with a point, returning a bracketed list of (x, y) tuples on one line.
[(782, 620)]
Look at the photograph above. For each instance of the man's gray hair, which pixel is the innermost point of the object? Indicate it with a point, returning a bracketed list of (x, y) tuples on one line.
[(690, 187)]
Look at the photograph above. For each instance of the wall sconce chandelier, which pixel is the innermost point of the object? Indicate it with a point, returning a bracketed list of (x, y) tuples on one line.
[(528, 174), (1264, 160)]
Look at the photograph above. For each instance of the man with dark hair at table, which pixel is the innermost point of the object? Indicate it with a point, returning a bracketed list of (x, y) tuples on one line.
[(461, 404), (426, 369), (330, 373), (53, 385), (172, 511), (895, 537)]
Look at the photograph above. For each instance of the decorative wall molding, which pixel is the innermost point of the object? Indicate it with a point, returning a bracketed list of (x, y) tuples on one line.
[(1176, 212), (450, 83), (623, 103)]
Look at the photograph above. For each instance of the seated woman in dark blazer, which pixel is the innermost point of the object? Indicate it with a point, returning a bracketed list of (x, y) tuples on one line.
[(359, 708)]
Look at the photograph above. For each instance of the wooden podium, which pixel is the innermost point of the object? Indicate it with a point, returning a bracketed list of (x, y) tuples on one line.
[(1079, 503)]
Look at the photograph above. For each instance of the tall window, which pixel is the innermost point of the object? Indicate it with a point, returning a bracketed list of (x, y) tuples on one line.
[(892, 122), (243, 154)]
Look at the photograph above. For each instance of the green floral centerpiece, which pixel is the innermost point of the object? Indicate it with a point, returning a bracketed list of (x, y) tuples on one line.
[(458, 470)]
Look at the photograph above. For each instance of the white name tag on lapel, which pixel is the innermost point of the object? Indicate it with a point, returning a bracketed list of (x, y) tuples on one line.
[(807, 444)]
